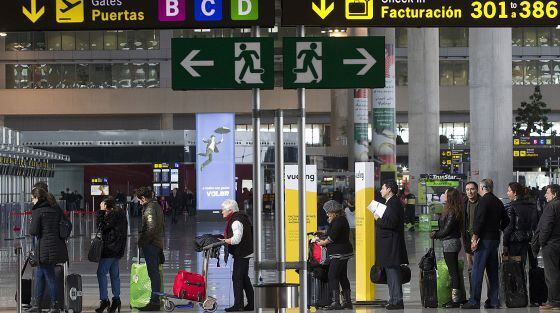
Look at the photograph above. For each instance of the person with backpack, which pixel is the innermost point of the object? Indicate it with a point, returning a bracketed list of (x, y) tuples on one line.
[(449, 233), (112, 226), (339, 251), (50, 248)]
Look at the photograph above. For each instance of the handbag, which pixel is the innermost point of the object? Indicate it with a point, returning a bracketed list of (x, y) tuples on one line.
[(95, 249), (535, 243)]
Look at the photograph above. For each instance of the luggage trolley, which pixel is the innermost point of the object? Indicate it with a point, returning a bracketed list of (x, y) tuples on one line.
[(208, 304)]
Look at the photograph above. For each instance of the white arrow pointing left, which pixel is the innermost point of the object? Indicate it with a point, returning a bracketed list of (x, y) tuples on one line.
[(368, 61), (189, 64)]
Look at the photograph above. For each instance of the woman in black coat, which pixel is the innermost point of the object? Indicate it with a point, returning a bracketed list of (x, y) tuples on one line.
[(523, 221), (340, 251), (49, 247), (112, 225), (450, 234)]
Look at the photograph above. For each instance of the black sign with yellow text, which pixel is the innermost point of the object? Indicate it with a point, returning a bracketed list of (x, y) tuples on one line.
[(420, 13), (45, 15)]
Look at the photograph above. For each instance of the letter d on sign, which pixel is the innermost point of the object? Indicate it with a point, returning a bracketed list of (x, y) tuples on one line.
[(171, 10), (244, 10)]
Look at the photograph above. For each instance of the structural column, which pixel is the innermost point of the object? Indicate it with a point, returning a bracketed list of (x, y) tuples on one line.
[(383, 108), (423, 105), (167, 121), (339, 119), (490, 57), (2, 121)]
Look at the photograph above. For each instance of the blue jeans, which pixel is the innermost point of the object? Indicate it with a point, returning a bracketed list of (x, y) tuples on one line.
[(485, 258), (109, 266), (394, 282), (45, 272), (151, 254)]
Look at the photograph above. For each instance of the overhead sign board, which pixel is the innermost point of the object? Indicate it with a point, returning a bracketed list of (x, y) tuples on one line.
[(328, 63), (45, 15), (222, 63), (420, 13)]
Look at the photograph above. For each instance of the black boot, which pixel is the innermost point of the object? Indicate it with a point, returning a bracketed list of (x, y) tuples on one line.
[(347, 299), (103, 304), (115, 306), (335, 305)]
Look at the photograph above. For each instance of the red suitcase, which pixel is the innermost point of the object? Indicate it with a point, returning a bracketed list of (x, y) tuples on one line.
[(190, 286)]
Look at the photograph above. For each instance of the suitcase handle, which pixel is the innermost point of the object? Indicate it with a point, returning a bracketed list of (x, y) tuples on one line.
[(188, 283)]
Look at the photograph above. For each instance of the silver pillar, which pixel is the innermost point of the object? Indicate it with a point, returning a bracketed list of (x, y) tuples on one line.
[(423, 108), (491, 120), (279, 198), (302, 196), (257, 187)]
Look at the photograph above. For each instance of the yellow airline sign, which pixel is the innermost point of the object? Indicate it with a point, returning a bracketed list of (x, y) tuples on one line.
[(69, 11), (33, 14)]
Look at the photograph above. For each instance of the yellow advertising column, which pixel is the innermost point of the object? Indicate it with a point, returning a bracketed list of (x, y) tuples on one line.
[(292, 213), (365, 232)]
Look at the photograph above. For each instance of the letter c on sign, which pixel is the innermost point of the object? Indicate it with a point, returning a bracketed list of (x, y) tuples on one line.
[(204, 7)]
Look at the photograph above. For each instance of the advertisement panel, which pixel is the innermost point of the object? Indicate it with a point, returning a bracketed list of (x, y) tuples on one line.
[(215, 160), (292, 211)]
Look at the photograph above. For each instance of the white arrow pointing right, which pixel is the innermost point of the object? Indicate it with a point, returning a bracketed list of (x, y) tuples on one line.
[(188, 63), (368, 61)]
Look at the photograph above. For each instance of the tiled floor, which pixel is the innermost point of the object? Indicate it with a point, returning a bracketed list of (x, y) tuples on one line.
[(181, 255)]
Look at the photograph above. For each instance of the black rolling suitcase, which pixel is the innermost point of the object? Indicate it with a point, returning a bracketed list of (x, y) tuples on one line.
[(538, 291), (318, 290), (73, 294), (428, 289), (25, 286), (514, 288), (428, 279)]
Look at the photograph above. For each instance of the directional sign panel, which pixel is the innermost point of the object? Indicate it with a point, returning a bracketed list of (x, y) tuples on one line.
[(420, 13), (329, 63), (45, 15), (222, 63)]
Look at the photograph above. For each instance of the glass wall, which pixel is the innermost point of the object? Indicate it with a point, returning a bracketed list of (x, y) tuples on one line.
[(536, 72), (451, 72), (96, 75), (315, 134), (93, 40)]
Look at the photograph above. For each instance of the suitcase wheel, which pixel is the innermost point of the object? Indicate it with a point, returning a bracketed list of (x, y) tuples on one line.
[(168, 306), (210, 305)]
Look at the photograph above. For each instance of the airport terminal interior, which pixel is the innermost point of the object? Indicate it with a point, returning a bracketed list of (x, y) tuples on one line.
[(99, 111)]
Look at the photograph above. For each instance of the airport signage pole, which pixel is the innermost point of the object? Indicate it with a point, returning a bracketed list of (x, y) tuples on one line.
[(302, 195), (257, 199), (279, 198)]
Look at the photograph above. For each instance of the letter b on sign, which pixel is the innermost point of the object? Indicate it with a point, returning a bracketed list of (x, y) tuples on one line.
[(244, 10), (171, 10)]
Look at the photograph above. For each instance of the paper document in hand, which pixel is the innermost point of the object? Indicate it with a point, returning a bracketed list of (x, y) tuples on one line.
[(377, 208)]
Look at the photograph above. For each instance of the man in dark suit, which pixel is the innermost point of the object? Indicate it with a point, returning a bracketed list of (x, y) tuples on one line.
[(390, 245), (490, 218)]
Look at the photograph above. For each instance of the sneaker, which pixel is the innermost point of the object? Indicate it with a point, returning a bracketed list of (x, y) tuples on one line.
[(390, 306), (151, 307), (470, 306)]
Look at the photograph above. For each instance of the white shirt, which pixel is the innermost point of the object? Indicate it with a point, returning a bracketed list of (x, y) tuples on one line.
[(237, 228)]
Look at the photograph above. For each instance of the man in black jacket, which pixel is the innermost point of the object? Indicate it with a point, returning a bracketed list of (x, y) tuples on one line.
[(549, 239), (390, 247), (471, 189), (485, 240), (239, 238), (150, 240)]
